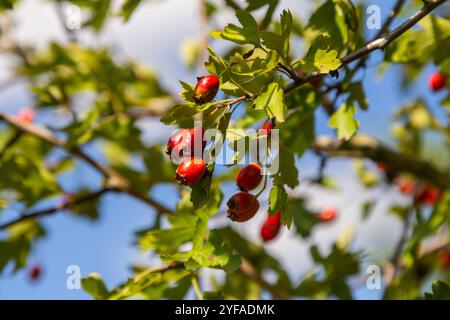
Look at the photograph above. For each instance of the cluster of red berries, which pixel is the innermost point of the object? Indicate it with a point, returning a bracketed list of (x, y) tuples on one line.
[(437, 81), (243, 205), (193, 169), (422, 192)]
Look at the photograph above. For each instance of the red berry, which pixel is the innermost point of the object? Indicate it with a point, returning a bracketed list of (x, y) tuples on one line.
[(184, 139), (191, 171), (35, 272), (427, 194), (406, 186), (242, 206), (328, 214), (271, 227), (444, 258), (437, 81), (267, 126), (382, 166), (274, 220), (26, 115), (206, 89), (249, 177), (269, 232)]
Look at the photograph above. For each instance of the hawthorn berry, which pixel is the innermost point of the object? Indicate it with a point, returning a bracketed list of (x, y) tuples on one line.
[(184, 139), (242, 206), (191, 171), (206, 89), (405, 185), (274, 220), (427, 194), (437, 81), (271, 227), (382, 166), (268, 126), (26, 115), (35, 272), (444, 258), (328, 214), (249, 177)]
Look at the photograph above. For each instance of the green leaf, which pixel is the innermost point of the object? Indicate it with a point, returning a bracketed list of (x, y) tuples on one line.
[(343, 120), (278, 200), (338, 18), (128, 7), (179, 113), (304, 220), (17, 246), (249, 26), (357, 94), (271, 100), (440, 291), (94, 285), (257, 4), (297, 132), (288, 169), (320, 57), (279, 42), (165, 239), (213, 254), (249, 33)]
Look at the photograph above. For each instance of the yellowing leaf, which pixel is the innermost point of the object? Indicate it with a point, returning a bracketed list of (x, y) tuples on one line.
[(272, 101), (320, 56), (343, 120)]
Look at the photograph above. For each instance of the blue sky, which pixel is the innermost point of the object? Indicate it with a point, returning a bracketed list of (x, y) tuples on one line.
[(153, 36)]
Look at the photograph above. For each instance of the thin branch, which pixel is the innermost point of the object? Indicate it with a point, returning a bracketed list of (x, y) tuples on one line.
[(390, 18), (71, 202), (384, 28), (395, 261), (250, 271), (233, 5), (71, 36), (14, 138), (364, 146), (379, 43), (115, 180)]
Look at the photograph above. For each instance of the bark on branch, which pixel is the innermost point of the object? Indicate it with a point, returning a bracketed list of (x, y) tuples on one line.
[(114, 179), (364, 146)]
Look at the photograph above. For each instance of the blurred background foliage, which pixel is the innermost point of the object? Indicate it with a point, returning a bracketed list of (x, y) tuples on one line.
[(92, 100)]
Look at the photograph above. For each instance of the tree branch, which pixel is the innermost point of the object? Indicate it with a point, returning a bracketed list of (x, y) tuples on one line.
[(115, 180), (379, 43), (395, 261), (71, 202), (364, 146), (250, 271)]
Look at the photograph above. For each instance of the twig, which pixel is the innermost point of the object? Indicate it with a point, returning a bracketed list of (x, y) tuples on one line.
[(384, 28), (232, 4), (71, 36), (250, 271), (379, 43), (14, 138), (364, 146), (59, 207), (395, 261), (115, 180)]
